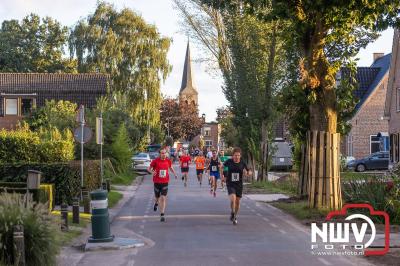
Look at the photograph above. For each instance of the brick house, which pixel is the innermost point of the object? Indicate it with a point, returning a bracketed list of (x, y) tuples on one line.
[(368, 127), (22, 92), (392, 106)]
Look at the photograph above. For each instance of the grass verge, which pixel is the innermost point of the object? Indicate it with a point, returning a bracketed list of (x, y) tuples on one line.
[(113, 198), (285, 186), (300, 210), (349, 176), (74, 231), (124, 178)]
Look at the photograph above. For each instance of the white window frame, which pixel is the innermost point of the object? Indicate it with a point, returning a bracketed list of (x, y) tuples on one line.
[(5, 106), (208, 141), (370, 142), (350, 145)]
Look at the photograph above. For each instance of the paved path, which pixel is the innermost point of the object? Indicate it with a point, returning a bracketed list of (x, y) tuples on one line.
[(198, 232)]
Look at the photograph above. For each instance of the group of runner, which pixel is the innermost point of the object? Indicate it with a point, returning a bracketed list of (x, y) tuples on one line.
[(220, 167)]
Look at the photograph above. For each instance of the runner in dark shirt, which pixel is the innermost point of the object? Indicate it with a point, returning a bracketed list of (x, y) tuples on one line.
[(234, 181)]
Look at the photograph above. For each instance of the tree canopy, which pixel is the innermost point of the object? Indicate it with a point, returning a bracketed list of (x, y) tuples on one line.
[(34, 45), (123, 45)]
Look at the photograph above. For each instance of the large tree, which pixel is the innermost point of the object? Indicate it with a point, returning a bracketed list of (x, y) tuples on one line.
[(122, 44), (327, 35), (245, 50), (34, 45), (180, 120)]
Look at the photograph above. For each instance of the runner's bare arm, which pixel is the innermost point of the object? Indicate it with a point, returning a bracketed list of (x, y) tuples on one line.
[(173, 171)]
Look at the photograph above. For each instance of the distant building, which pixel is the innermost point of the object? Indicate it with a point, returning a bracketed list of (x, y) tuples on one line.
[(368, 127), (20, 93)]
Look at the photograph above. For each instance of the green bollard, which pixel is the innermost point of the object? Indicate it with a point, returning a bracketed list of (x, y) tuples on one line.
[(100, 217)]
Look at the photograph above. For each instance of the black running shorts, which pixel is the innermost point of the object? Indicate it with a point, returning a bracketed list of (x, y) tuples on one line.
[(185, 170), (235, 189), (160, 189), (199, 171)]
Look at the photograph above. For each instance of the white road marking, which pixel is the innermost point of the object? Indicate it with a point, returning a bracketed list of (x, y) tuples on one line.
[(324, 261), (253, 210), (258, 214), (232, 259), (266, 219), (273, 225), (282, 231)]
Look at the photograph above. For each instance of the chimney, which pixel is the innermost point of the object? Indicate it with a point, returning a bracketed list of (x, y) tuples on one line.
[(377, 56)]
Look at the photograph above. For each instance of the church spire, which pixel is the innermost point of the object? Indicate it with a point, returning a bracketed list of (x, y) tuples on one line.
[(187, 79)]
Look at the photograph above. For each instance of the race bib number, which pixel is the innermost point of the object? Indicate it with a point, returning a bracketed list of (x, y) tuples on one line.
[(184, 165), (199, 165), (213, 168), (163, 173), (235, 177)]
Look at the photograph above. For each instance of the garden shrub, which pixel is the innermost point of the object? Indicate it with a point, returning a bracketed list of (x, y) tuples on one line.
[(120, 149), (41, 233), (64, 176), (24, 145)]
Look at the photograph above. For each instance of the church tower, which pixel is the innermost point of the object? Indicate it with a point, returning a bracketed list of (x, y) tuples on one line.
[(188, 93)]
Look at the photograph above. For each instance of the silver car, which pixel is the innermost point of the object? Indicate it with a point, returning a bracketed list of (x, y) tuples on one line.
[(141, 161)]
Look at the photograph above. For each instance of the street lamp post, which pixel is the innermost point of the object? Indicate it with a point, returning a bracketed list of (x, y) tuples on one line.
[(148, 124)]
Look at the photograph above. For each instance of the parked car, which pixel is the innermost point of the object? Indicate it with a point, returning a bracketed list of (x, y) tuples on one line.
[(374, 161), (141, 161), (282, 158), (153, 155), (153, 147)]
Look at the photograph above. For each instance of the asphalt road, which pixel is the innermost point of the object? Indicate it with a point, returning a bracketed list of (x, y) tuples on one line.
[(198, 231)]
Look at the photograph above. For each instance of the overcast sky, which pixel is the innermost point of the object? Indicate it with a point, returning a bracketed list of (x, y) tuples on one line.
[(162, 14)]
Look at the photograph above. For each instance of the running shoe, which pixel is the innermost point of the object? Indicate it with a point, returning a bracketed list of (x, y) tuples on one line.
[(182, 178), (162, 219), (232, 218), (211, 191), (215, 194), (235, 221), (155, 206)]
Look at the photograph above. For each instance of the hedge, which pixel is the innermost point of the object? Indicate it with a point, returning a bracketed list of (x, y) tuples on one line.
[(64, 176)]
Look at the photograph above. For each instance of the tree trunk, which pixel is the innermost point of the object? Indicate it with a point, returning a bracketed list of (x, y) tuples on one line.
[(322, 145), (263, 174)]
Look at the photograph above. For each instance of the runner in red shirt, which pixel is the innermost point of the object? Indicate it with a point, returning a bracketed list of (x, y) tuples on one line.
[(185, 161), (160, 167)]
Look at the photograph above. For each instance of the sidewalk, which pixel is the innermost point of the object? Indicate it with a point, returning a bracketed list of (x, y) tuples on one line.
[(72, 254)]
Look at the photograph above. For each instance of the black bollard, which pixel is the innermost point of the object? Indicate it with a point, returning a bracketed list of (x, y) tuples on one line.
[(86, 200), (108, 182), (64, 217), (19, 245), (75, 211), (104, 186)]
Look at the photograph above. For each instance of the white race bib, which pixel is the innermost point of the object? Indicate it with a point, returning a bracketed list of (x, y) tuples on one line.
[(184, 165), (213, 168), (235, 177), (163, 173), (199, 165)]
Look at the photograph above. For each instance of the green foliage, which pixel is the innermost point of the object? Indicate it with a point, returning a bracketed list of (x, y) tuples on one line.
[(122, 154), (24, 145), (123, 45), (41, 234), (60, 114), (182, 120), (34, 45)]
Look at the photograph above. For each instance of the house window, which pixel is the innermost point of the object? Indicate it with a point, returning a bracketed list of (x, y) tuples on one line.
[(398, 99), (208, 143), (26, 106), (207, 131), (375, 143), (350, 145), (11, 106)]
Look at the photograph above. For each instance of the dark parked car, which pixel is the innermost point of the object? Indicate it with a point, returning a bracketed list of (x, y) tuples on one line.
[(375, 161)]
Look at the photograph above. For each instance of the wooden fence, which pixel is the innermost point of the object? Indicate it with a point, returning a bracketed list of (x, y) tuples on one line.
[(320, 170)]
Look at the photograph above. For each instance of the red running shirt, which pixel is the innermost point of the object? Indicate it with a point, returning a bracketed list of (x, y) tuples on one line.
[(185, 160), (161, 170)]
